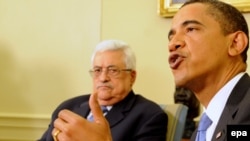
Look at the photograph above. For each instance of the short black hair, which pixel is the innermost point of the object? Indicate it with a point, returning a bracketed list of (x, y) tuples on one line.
[(229, 18)]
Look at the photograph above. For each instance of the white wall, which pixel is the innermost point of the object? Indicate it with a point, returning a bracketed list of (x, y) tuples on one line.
[(45, 47)]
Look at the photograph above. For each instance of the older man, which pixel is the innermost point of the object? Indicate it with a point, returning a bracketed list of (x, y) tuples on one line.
[(130, 117)]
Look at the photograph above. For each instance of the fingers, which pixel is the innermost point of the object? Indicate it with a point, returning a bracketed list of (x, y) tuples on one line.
[(61, 122), (96, 109), (68, 116), (75, 127), (58, 135), (55, 134), (67, 123)]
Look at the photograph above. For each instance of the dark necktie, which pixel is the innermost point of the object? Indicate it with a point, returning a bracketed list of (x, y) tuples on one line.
[(104, 110), (205, 122)]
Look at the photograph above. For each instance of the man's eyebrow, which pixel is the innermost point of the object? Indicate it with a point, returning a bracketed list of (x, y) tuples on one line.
[(110, 66), (185, 23)]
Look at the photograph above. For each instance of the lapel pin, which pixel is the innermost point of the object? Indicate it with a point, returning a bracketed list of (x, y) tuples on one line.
[(218, 135)]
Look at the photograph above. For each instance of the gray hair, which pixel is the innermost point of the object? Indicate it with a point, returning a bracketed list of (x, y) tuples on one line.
[(113, 45)]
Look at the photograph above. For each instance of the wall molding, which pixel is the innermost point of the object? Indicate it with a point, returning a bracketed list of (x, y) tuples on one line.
[(22, 127)]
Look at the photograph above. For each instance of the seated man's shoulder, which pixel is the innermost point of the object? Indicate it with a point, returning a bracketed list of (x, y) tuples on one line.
[(148, 104), (74, 101)]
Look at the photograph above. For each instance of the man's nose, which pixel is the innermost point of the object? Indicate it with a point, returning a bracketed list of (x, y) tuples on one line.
[(175, 43), (104, 76)]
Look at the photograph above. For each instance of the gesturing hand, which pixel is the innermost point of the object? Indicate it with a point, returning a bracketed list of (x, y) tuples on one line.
[(73, 127)]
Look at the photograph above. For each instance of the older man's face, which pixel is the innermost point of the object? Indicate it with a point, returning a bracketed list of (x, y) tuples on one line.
[(112, 88)]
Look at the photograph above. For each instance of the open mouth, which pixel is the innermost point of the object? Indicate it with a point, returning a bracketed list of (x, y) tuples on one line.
[(175, 60)]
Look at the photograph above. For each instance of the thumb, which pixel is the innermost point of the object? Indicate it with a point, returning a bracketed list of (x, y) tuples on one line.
[(103, 130), (96, 109)]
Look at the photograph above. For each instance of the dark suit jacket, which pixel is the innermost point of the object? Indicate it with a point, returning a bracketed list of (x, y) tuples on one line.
[(236, 110), (133, 119)]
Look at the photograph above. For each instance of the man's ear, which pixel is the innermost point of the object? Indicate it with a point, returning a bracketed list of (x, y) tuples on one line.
[(239, 43), (133, 76)]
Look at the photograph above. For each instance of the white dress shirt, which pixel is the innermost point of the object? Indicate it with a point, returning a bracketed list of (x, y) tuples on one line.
[(217, 104)]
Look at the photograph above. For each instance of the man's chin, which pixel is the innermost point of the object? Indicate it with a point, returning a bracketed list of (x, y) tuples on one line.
[(106, 102), (104, 98)]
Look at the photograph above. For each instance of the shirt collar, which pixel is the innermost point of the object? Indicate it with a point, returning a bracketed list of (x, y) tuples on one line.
[(219, 100)]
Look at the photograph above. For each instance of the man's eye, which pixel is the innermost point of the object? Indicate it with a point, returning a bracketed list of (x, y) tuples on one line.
[(113, 70), (190, 29), (97, 70)]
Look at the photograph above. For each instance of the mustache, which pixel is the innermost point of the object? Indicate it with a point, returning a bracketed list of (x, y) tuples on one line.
[(104, 85)]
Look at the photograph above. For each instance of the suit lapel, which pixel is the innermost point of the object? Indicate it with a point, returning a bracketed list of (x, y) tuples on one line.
[(231, 108), (119, 110), (194, 135), (83, 109), (116, 114), (220, 130)]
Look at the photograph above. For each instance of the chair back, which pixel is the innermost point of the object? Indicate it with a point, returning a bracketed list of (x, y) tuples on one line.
[(177, 114)]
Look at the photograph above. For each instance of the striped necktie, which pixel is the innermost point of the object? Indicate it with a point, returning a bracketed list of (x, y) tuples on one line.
[(205, 122), (104, 110)]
